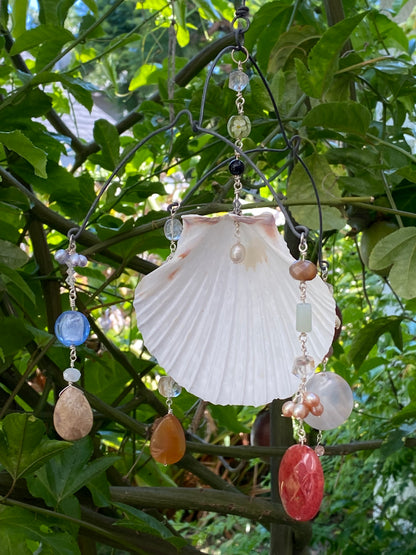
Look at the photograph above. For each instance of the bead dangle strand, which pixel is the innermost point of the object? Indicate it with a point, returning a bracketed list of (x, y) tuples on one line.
[(168, 444), (304, 402), (172, 229), (72, 417), (239, 127)]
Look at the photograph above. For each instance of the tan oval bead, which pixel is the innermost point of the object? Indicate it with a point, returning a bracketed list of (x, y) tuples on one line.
[(168, 444), (303, 270), (72, 416), (287, 408)]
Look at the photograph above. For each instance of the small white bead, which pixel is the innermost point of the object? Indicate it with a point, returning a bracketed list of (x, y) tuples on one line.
[(237, 253), (71, 375)]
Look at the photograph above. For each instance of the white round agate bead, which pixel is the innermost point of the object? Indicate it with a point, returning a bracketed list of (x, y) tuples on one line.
[(172, 229), (71, 375), (237, 253), (336, 398)]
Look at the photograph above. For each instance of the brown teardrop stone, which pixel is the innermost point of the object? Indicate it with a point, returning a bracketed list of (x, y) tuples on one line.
[(72, 416), (168, 444), (303, 270)]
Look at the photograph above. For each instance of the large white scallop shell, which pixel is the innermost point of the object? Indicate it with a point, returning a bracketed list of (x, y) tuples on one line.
[(225, 331)]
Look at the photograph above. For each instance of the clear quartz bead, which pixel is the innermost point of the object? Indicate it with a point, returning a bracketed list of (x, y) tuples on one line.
[(304, 317), (172, 229), (239, 127), (237, 253), (71, 375), (238, 80), (168, 387), (303, 367)]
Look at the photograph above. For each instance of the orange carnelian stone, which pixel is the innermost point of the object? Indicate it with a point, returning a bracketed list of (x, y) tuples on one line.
[(303, 270), (168, 445)]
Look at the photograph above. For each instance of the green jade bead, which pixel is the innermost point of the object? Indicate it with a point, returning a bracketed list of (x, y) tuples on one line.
[(239, 127)]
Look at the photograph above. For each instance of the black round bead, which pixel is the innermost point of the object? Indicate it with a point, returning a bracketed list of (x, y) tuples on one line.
[(236, 167)]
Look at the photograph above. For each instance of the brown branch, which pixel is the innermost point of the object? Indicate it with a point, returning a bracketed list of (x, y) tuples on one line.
[(61, 224), (243, 452), (258, 509)]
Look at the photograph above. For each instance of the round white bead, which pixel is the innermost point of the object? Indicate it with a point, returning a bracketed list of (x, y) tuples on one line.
[(237, 253), (71, 375)]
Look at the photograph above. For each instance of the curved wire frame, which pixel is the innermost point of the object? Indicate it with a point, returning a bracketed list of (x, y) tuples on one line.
[(291, 144)]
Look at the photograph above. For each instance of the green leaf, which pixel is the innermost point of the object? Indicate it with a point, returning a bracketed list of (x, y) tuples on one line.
[(11, 255), (92, 5), (228, 417), (61, 477), (348, 117), (19, 143), (300, 190), (15, 278), (19, 13), (142, 75), (290, 43), (40, 35), (106, 135), (399, 249), (14, 335), (147, 524), (323, 58), (17, 526), (406, 413), (368, 336), (33, 103), (24, 446)]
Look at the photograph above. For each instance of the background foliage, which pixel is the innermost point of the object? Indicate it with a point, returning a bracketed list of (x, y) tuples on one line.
[(343, 75)]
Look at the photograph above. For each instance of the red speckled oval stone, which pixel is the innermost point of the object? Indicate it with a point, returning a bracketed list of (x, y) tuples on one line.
[(301, 482)]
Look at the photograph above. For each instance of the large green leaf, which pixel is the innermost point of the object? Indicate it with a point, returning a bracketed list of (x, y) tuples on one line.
[(16, 279), (147, 524), (290, 43), (368, 336), (61, 477), (300, 190), (12, 256), (33, 103), (323, 58), (17, 526), (406, 413), (19, 13), (399, 249), (348, 117), (40, 35), (14, 335), (19, 143), (106, 135), (24, 446)]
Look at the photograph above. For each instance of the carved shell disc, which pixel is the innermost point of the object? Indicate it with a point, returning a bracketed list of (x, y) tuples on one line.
[(225, 331), (168, 444), (72, 416)]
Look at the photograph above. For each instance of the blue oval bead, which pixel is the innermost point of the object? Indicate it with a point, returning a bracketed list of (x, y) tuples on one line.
[(72, 328)]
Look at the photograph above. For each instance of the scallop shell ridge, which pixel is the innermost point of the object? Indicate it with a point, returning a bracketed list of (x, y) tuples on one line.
[(226, 332)]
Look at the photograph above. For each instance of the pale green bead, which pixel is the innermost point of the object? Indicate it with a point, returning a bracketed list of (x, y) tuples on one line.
[(239, 127), (303, 317)]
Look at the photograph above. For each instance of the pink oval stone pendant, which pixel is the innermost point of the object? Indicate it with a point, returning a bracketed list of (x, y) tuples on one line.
[(301, 482), (168, 444), (72, 416)]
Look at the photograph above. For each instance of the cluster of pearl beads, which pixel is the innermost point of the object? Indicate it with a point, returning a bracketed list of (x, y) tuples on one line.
[(306, 403), (74, 259)]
